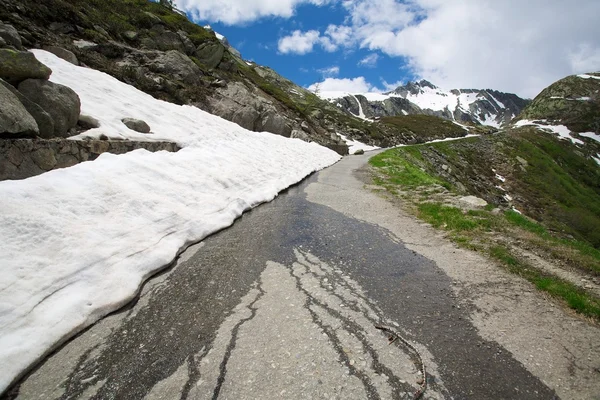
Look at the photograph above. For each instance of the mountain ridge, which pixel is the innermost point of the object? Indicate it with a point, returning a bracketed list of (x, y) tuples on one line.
[(475, 106)]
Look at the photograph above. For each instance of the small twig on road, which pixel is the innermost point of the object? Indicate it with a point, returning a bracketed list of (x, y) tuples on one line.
[(393, 336)]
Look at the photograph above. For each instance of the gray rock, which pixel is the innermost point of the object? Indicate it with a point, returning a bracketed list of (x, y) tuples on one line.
[(304, 126), (275, 123), (359, 152), (187, 43), (44, 158), (169, 41), (61, 102), (136, 125), (298, 134), (210, 53), (3, 43), (10, 36), (15, 156), (178, 65), (130, 35), (474, 201), (42, 118), (15, 121), (84, 44), (148, 44), (16, 66), (87, 122), (62, 53), (153, 18)]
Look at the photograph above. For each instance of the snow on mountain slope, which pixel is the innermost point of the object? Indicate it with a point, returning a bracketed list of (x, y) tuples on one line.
[(466, 105), (77, 243)]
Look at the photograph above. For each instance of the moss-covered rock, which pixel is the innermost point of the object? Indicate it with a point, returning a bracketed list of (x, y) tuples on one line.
[(16, 66)]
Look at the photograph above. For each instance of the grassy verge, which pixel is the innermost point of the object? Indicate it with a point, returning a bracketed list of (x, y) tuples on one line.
[(403, 170)]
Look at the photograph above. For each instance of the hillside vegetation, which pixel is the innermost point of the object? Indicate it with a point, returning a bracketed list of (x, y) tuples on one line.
[(543, 200)]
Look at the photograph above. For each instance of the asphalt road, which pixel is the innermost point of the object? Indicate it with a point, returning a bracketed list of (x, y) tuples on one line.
[(283, 305)]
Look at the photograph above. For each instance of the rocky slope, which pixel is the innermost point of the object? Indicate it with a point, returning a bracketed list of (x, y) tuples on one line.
[(573, 101), (474, 106), (570, 109), (159, 51)]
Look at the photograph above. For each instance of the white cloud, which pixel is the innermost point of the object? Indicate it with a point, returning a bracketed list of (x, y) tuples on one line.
[(304, 42), (299, 42), (369, 61), (509, 45), (233, 12), (355, 85), (329, 71)]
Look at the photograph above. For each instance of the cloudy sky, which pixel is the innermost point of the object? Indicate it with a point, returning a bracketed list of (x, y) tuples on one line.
[(518, 46)]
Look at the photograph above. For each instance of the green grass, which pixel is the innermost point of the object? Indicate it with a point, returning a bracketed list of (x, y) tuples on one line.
[(424, 125), (575, 297), (448, 218), (407, 170), (400, 171), (525, 223)]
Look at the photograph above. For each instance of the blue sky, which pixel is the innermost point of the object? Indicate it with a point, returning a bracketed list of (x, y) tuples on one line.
[(374, 45), (258, 41)]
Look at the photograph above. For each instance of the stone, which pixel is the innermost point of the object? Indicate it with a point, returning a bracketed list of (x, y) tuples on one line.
[(275, 123), (298, 134), (136, 125), (210, 53), (87, 122), (522, 161), (44, 158), (66, 160), (15, 120), (84, 44), (15, 156), (99, 146), (61, 102), (187, 43), (42, 118), (304, 126), (16, 66), (153, 18), (10, 36), (169, 41), (130, 35), (474, 201), (178, 65), (359, 152), (62, 53)]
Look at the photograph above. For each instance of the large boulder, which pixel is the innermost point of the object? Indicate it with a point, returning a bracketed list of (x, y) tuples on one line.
[(42, 118), (168, 40), (61, 102), (187, 43), (210, 53), (62, 53), (178, 65), (16, 66), (15, 121), (10, 36)]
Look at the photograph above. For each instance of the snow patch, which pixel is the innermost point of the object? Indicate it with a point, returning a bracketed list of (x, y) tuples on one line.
[(586, 76), (562, 131), (78, 242), (590, 135), (354, 145), (597, 159)]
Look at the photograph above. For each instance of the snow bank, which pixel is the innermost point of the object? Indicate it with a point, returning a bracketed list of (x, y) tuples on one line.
[(586, 76), (562, 131), (77, 243), (354, 145)]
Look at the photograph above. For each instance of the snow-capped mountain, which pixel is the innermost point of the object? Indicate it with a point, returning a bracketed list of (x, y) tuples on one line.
[(477, 106)]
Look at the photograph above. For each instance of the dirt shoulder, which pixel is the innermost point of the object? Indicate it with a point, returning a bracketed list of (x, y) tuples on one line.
[(553, 343)]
